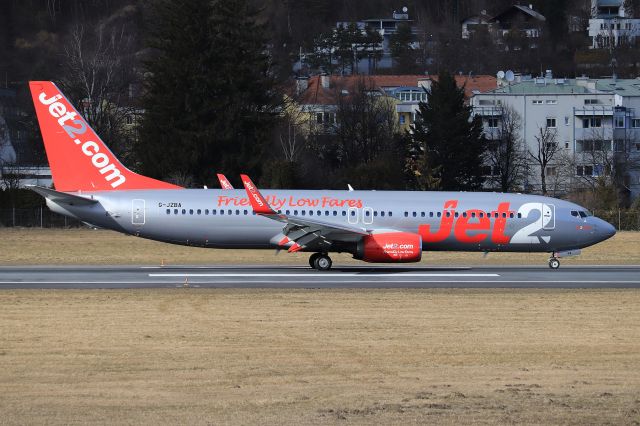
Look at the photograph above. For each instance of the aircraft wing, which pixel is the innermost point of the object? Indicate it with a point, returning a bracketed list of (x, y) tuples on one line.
[(300, 232)]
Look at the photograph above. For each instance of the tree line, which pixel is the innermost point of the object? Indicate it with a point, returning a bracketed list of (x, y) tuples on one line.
[(203, 81)]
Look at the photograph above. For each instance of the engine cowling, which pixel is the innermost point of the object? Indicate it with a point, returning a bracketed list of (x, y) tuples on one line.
[(390, 247)]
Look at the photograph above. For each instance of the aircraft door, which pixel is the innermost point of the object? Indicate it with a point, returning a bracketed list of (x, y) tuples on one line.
[(137, 212), (548, 217), (352, 215), (367, 215)]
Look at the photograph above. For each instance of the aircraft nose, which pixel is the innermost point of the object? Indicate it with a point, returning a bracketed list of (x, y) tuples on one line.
[(605, 230)]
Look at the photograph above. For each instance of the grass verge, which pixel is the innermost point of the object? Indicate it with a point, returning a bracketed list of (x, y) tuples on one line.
[(95, 247), (320, 357)]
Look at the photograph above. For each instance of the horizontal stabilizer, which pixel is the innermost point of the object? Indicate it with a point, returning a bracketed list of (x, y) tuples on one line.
[(62, 197)]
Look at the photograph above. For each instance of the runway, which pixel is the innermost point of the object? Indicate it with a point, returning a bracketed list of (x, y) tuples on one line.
[(291, 277)]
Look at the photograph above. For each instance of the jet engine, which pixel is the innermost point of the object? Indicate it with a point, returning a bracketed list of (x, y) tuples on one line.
[(390, 247)]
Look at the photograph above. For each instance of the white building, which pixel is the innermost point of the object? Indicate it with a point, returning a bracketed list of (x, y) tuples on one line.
[(611, 24), (596, 123)]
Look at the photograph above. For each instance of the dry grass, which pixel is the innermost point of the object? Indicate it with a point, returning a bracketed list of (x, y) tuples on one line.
[(316, 357), (84, 246)]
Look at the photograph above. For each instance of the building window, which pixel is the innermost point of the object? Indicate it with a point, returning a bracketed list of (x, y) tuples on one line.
[(592, 122), (551, 171), (492, 122), (551, 122), (590, 101), (551, 102), (635, 123), (566, 121), (401, 118), (566, 145), (319, 117), (619, 122), (584, 171), (618, 145), (537, 102), (329, 117), (129, 119)]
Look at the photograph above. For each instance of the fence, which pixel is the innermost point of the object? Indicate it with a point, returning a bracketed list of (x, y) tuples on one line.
[(623, 220), (38, 217)]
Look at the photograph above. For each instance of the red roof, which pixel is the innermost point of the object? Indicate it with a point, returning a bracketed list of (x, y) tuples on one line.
[(317, 95)]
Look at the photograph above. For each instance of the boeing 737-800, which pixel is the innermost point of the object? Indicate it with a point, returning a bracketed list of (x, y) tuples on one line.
[(374, 226)]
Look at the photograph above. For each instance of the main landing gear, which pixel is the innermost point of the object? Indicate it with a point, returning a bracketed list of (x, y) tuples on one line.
[(554, 263), (320, 261)]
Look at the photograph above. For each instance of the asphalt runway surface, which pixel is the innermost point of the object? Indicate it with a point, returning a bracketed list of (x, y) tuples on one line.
[(283, 277)]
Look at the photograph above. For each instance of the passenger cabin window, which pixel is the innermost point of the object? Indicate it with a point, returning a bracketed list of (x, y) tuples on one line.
[(574, 213)]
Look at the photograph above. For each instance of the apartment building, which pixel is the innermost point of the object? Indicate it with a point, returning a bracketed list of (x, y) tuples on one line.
[(595, 123), (611, 24)]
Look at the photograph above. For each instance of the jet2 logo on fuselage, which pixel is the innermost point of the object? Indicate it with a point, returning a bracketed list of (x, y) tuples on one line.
[(475, 226)]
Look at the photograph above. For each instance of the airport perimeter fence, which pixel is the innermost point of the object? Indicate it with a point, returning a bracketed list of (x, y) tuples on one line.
[(42, 217), (37, 217), (623, 220)]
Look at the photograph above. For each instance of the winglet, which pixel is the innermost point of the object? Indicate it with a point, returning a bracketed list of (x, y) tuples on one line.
[(224, 182), (259, 204)]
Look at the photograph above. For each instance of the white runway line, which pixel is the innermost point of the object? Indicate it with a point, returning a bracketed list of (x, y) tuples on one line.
[(243, 285), (325, 276)]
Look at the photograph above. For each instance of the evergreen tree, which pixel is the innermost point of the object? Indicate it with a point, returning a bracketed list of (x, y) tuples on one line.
[(401, 50), (209, 102), (446, 145)]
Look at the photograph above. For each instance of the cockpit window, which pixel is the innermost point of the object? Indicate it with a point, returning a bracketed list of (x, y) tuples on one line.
[(588, 213), (574, 213), (583, 214)]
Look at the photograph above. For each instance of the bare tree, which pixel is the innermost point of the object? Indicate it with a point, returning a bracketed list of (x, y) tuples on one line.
[(9, 173), (366, 123), (561, 174), (505, 152), (604, 160), (98, 79), (544, 152)]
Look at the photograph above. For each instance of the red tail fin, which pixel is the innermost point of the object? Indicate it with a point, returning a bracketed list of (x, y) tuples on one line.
[(79, 160)]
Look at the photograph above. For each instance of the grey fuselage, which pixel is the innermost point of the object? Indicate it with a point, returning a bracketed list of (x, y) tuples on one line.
[(454, 221)]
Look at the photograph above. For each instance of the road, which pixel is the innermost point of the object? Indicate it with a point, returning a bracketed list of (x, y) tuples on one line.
[(254, 276)]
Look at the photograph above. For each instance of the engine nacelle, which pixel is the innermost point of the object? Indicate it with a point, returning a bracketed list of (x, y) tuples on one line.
[(390, 247)]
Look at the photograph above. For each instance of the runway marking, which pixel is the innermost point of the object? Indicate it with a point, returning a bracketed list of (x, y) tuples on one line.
[(240, 285), (310, 275)]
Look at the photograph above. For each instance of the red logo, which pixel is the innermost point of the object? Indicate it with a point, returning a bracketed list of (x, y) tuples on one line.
[(474, 220)]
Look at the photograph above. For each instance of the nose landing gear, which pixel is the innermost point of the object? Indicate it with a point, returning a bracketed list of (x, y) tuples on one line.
[(554, 263), (320, 261)]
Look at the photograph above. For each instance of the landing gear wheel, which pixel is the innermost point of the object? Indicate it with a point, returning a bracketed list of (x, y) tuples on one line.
[(322, 262), (554, 263), (312, 260)]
